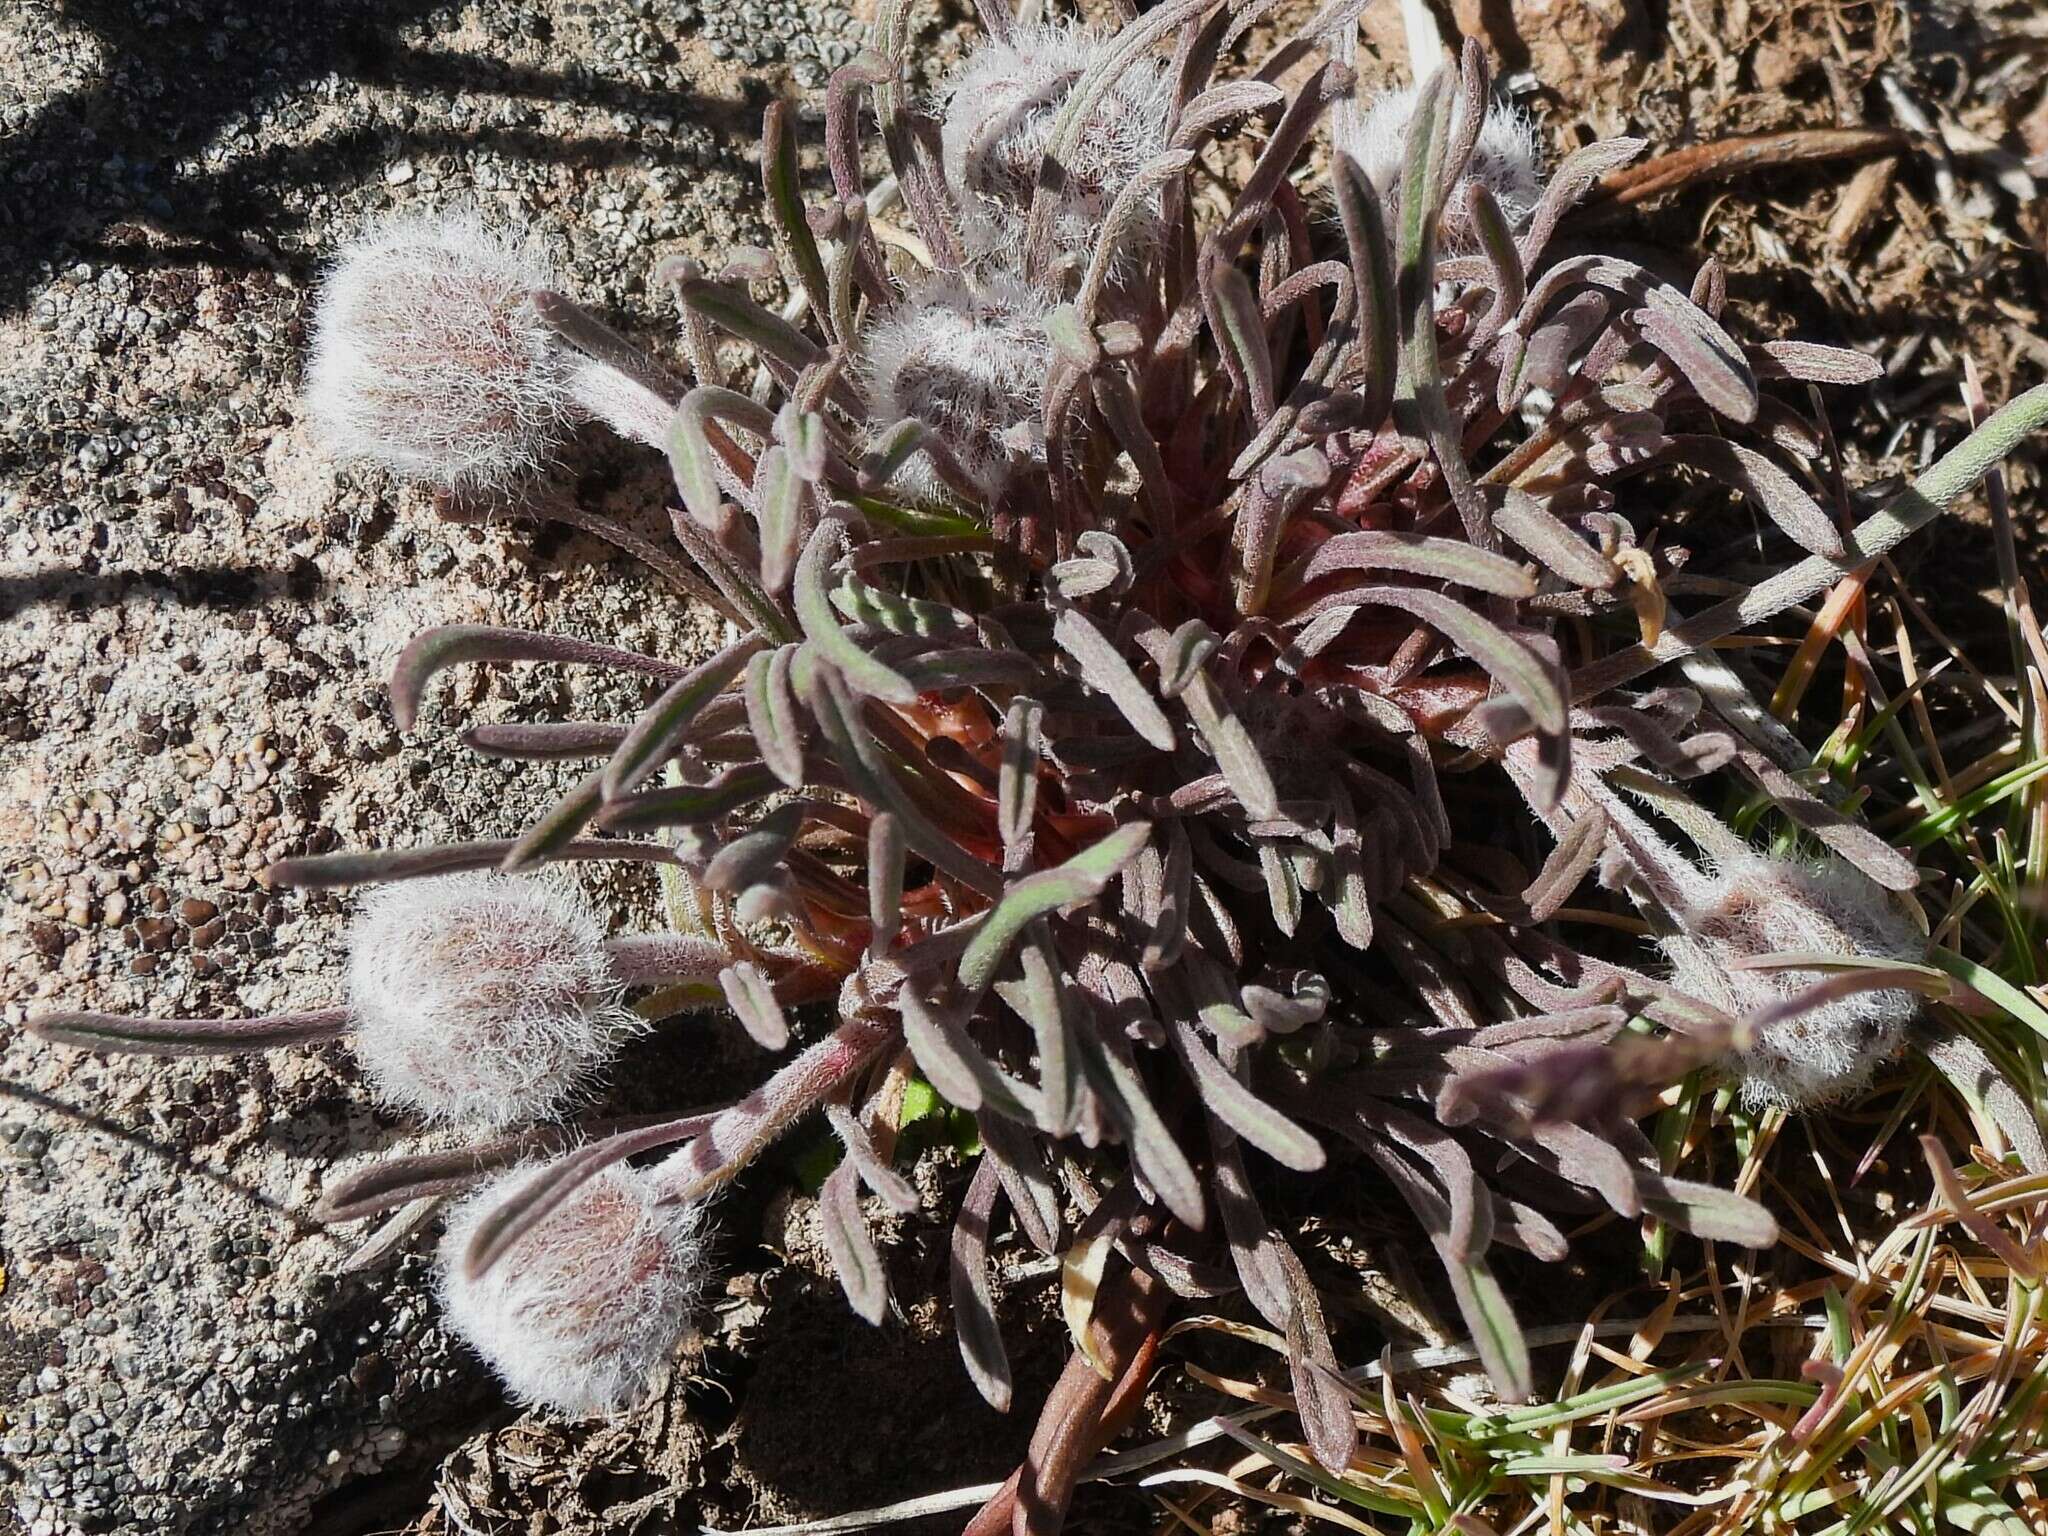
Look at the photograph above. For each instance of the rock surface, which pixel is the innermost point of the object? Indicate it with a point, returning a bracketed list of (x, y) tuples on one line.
[(195, 619)]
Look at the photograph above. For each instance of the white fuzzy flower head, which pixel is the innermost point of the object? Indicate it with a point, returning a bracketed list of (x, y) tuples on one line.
[(1756, 905), (429, 359), (481, 999), (970, 363), (997, 120), (586, 1310), (1507, 161)]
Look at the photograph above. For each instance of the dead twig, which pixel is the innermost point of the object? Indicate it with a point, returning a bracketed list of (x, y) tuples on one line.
[(1725, 159)]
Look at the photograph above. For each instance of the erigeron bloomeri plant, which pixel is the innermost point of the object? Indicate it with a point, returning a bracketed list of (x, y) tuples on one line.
[(1756, 907), (441, 351), (1107, 792), (481, 999), (997, 119), (968, 359), (590, 1315), (1796, 956), (1506, 161)]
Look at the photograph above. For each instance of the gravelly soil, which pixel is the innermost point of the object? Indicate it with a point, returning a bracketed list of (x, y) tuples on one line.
[(196, 614)]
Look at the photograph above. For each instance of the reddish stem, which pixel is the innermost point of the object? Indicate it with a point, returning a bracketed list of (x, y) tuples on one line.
[(1083, 1413)]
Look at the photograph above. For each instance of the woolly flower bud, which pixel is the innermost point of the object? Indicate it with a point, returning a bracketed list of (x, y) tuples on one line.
[(481, 998), (430, 359), (1756, 905), (1507, 161), (970, 363), (998, 119), (584, 1312)]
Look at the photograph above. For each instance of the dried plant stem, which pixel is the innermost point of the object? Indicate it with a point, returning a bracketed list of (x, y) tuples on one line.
[(1725, 159)]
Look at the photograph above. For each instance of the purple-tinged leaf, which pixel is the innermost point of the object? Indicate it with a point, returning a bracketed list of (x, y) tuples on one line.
[(1577, 851), (1497, 239), (395, 1181), (1129, 206), (1704, 354), (525, 1208), (1105, 670), (740, 1133), (1774, 493), (1017, 778), (850, 1246), (954, 1064), (757, 855), (1372, 273), (779, 512), (1815, 364), (1847, 836), (1592, 1162), (1524, 519), (684, 805), (452, 644), (712, 548), (1283, 892), (660, 732), (1517, 668), (734, 311), (1169, 926), (885, 1181), (1026, 1185), (753, 1003), (855, 754), (814, 612), (1230, 743), (1579, 173), (332, 871), (1080, 878), (188, 1037), (1241, 333), (1182, 655), (783, 203), (2025, 1266), (547, 741), (1503, 1349), (1039, 998), (1254, 1247), (1283, 1013), (690, 454), (1419, 405), (1239, 1108), (885, 880), (1719, 1215), (772, 715), (1320, 1397), (1417, 554), (974, 1317), (1219, 104), (1118, 1083), (556, 827)]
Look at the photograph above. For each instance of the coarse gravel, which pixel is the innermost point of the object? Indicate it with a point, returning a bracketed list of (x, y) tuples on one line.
[(196, 615)]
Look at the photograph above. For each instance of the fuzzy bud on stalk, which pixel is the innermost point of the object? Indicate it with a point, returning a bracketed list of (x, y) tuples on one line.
[(483, 999), (439, 354), (1507, 161), (1754, 905), (970, 363), (584, 1315), (997, 121)]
